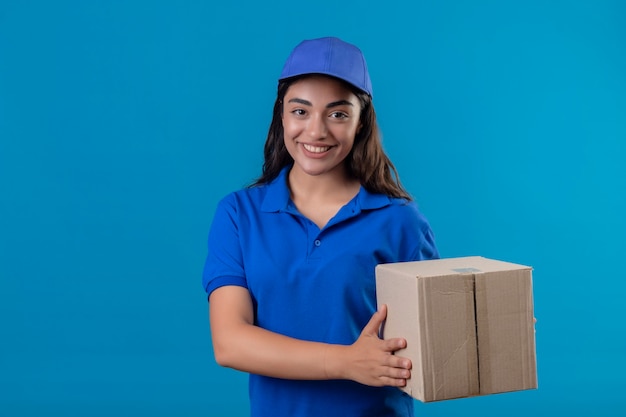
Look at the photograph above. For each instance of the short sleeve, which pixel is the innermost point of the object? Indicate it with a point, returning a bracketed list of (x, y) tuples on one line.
[(419, 235), (427, 248), (224, 262)]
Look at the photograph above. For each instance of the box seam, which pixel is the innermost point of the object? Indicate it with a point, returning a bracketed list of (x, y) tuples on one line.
[(478, 373)]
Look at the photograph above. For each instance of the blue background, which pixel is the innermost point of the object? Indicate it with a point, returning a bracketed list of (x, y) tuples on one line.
[(123, 122)]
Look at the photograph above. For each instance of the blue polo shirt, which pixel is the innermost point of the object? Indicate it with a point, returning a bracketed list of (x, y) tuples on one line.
[(313, 284)]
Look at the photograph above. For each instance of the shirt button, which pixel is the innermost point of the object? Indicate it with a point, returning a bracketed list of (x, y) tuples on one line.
[(317, 242)]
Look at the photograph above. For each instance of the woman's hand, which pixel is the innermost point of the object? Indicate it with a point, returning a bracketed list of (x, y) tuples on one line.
[(370, 360)]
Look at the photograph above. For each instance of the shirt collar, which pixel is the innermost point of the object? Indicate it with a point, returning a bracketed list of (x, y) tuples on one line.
[(367, 200), (277, 196)]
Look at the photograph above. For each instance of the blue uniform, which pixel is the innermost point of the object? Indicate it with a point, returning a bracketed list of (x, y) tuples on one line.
[(313, 284)]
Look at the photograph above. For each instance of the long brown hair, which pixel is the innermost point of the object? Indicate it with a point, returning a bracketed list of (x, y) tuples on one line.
[(367, 161)]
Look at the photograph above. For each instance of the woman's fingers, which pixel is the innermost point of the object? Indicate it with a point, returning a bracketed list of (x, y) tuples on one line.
[(373, 360), (376, 321), (393, 382), (392, 345), (398, 362)]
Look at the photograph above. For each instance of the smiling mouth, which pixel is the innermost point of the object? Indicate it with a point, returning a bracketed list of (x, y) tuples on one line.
[(316, 149)]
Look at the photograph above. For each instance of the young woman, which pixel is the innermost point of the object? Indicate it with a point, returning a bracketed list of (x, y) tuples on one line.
[(290, 265)]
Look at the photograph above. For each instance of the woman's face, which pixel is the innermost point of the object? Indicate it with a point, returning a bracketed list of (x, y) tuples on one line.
[(320, 120)]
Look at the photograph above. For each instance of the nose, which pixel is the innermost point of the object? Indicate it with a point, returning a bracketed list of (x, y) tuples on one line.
[(316, 127)]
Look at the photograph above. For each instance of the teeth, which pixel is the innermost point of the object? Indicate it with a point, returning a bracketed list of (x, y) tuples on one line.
[(316, 149)]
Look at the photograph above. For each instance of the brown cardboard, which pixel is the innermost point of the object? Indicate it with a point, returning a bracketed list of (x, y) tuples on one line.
[(468, 323)]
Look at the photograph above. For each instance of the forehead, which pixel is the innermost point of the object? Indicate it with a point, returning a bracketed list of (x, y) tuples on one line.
[(320, 88)]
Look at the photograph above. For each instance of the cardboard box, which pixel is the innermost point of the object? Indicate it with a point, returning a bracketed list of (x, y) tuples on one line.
[(468, 323)]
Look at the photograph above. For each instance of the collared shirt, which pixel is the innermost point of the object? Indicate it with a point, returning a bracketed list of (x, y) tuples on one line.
[(313, 284)]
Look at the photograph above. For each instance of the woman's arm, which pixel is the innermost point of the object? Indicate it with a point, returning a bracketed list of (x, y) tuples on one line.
[(239, 344)]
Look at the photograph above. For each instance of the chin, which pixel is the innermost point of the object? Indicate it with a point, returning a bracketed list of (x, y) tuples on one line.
[(317, 169)]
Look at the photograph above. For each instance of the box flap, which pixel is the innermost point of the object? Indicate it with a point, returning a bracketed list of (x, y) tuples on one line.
[(447, 334), (506, 336)]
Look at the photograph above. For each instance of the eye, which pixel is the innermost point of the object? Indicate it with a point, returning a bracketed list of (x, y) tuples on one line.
[(338, 115), (298, 112)]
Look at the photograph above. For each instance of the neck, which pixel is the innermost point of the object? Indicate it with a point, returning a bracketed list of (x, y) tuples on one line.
[(328, 185), (320, 197)]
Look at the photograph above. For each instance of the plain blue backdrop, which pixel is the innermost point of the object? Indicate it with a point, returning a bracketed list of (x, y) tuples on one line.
[(123, 122)]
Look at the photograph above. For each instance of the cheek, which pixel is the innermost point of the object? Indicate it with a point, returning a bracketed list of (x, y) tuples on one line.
[(347, 133), (288, 135), (290, 129)]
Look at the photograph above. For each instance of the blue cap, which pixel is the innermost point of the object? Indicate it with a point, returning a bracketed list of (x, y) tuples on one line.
[(329, 56)]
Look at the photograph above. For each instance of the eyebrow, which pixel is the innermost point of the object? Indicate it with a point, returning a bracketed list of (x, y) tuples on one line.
[(328, 106)]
